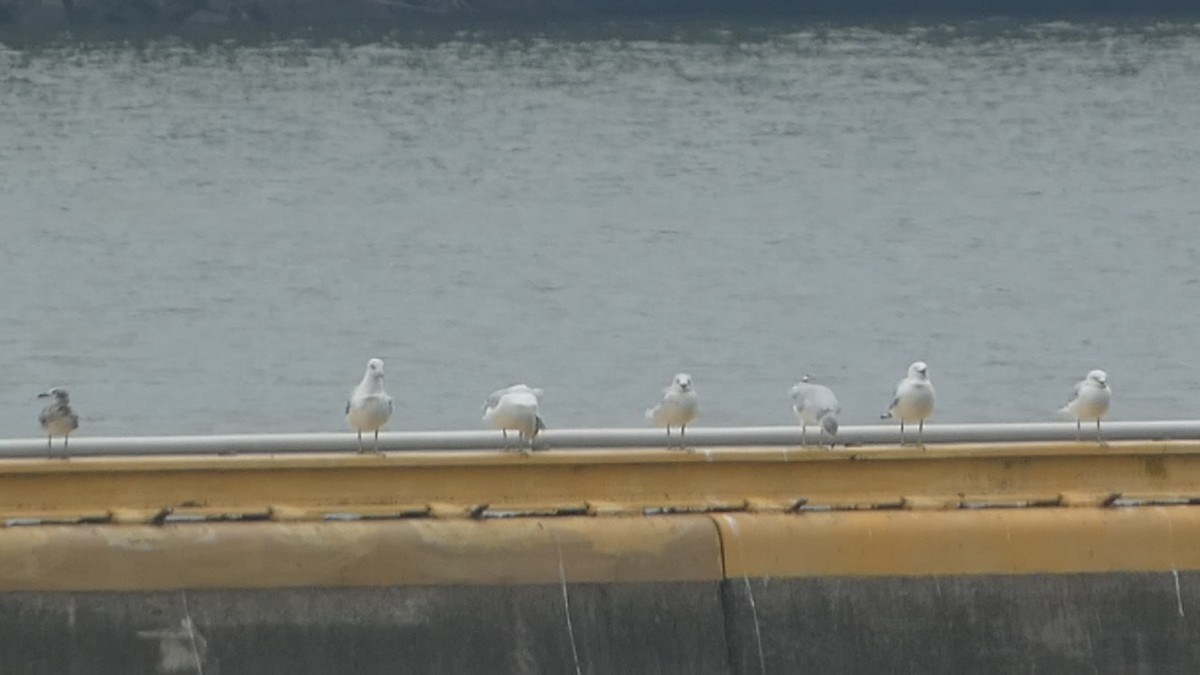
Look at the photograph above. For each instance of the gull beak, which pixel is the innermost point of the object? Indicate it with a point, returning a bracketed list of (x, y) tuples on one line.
[(44, 394)]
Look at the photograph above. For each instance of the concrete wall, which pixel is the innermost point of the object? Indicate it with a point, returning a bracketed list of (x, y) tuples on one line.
[(376, 13), (1097, 623), (651, 628), (1111, 623)]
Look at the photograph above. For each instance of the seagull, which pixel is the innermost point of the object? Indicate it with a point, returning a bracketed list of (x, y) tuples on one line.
[(913, 400), (1089, 401), (815, 404), (677, 407), (369, 406), (57, 418), (515, 408)]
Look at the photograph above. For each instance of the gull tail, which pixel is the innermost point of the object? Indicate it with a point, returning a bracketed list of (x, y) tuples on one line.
[(830, 424), (886, 416)]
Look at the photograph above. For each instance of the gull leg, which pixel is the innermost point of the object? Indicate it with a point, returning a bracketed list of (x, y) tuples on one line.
[(67, 438), (360, 445), (518, 446), (683, 441), (921, 433), (803, 434), (1098, 438), (1078, 432), (49, 446), (533, 434), (902, 431), (376, 441)]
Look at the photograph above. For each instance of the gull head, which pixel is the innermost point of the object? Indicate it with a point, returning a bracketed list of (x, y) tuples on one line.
[(1098, 377), (375, 367), (795, 390), (57, 393), (918, 370), (683, 381)]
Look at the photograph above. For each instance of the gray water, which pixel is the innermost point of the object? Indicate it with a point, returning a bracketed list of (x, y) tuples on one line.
[(216, 236)]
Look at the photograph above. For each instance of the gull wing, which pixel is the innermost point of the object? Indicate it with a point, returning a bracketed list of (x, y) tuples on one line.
[(1075, 392), (493, 399)]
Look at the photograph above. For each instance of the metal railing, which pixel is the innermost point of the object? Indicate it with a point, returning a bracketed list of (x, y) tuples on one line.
[(570, 439)]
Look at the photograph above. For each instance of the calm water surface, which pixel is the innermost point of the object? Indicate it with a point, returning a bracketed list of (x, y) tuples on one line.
[(214, 237)]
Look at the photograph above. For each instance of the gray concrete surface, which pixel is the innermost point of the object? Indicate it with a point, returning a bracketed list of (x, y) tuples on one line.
[(661, 628), (280, 13), (1111, 623), (1118, 623)]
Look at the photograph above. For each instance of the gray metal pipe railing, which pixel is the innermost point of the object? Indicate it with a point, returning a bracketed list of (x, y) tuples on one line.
[(567, 439)]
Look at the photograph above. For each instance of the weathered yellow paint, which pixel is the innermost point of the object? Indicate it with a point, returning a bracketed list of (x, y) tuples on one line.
[(588, 549), (459, 484), (975, 541), (376, 553), (747, 512)]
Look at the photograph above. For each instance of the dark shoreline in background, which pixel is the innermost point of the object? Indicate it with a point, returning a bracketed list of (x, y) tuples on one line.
[(381, 15)]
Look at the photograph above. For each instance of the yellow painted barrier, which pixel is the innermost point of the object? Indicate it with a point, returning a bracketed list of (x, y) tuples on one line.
[(678, 548), (420, 518), (975, 541), (603, 482), (345, 554)]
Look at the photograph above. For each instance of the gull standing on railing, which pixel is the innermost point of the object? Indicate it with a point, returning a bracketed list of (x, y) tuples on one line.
[(815, 404), (369, 406), (913, 401), (1089, 401), (515, 408), (677, 407), (58, 419)]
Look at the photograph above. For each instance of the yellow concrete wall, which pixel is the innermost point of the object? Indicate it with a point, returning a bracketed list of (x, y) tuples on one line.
[(441, 518)]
